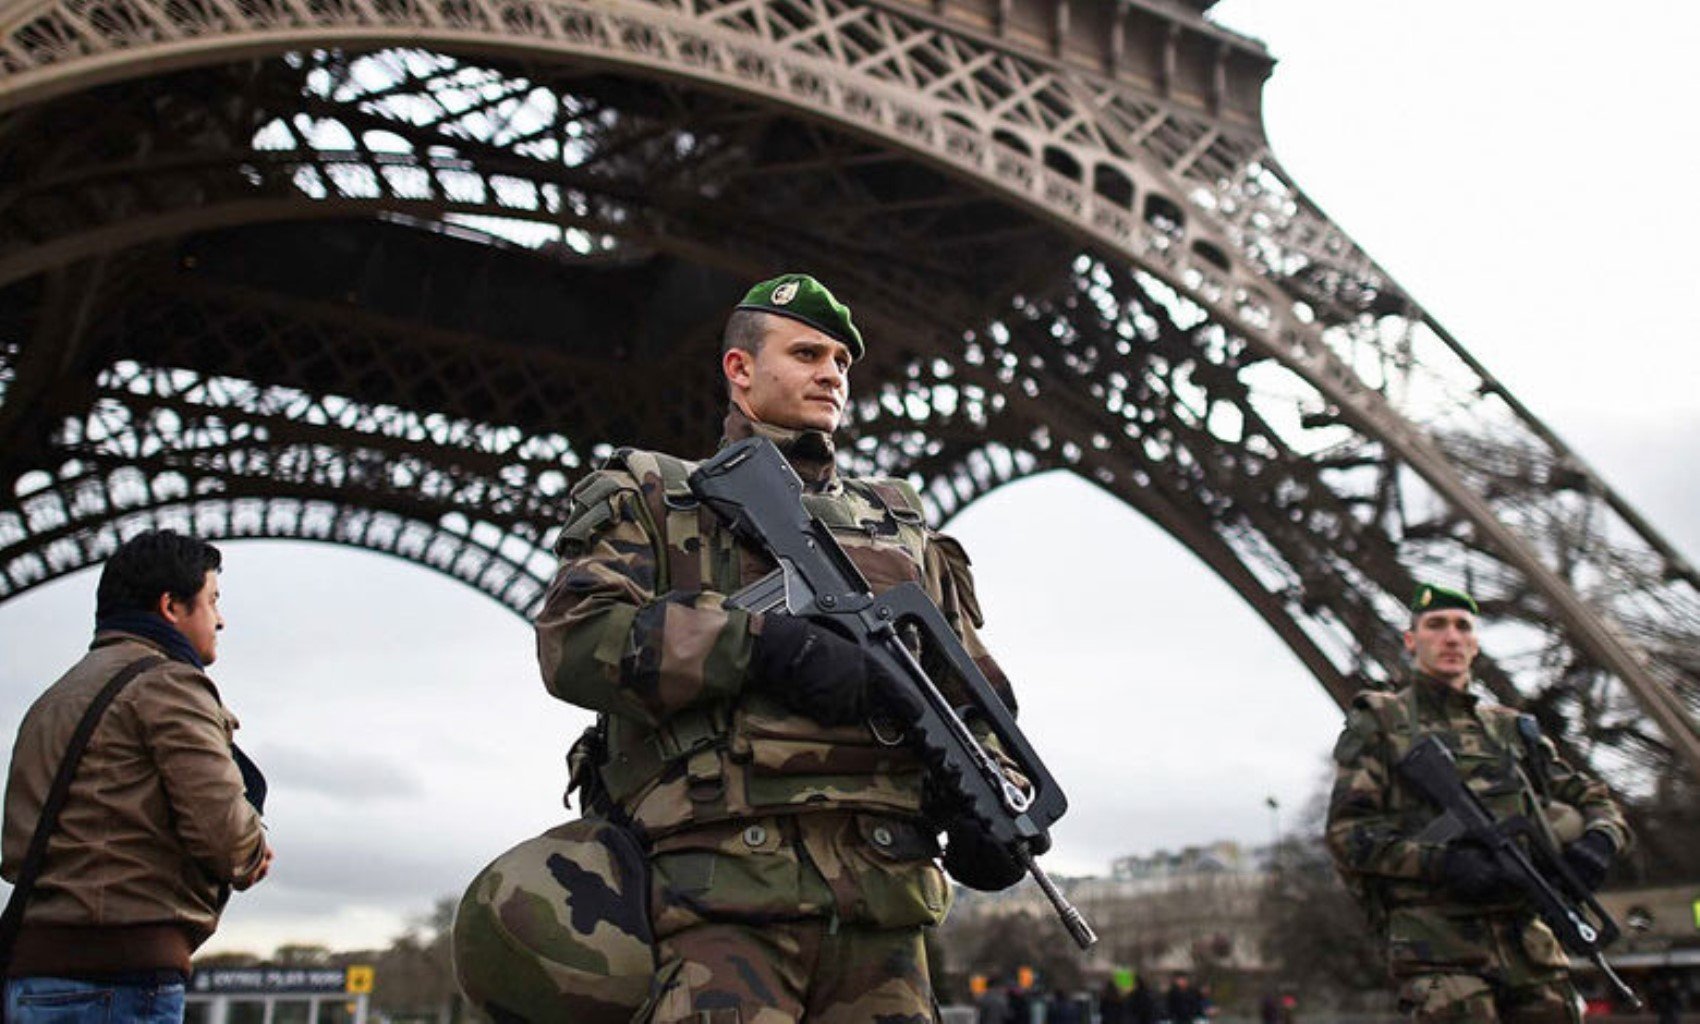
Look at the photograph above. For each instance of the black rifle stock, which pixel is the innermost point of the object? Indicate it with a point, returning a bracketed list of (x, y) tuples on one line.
[(1582, 926), (751, 487)]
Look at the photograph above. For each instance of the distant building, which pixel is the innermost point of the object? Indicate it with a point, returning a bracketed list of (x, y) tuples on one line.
[(1224, 857), (1192, 909)]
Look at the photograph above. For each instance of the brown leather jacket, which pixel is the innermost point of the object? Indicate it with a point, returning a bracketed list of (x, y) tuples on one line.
[(154, 830)]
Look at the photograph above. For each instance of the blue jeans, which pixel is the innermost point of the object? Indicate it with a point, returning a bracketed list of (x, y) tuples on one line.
[(69, 1001)]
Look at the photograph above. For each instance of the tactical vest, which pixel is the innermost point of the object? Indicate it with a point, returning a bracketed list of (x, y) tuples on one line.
[(750, 755), (1502, 764)]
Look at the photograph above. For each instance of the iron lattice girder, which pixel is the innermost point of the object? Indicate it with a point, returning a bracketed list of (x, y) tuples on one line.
[(210, 172), (1144, 171), (191, 438)]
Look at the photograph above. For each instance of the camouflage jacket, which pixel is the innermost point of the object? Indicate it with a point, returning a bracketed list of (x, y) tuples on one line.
[(1374, 817), (634, 626)]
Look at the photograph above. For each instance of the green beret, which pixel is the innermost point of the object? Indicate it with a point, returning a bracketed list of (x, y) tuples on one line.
[(1430, 598), (806, 300)]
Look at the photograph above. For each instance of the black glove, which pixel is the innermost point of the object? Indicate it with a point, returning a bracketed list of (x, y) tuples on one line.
[(976, 861), (1590, 857), (1039, 844), (1470, 872), (811, 670)]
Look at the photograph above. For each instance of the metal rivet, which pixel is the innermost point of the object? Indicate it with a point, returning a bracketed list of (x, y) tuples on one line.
[(882, 836), (755, 835)]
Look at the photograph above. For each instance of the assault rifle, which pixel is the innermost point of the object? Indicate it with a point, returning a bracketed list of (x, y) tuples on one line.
[(751, 487), (1583, 927)]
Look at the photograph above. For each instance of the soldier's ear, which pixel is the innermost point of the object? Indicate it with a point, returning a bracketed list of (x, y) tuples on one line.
[(739, 367), (1411, 641)]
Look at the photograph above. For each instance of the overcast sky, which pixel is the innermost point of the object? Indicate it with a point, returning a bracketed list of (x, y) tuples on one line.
[(1526, 175)]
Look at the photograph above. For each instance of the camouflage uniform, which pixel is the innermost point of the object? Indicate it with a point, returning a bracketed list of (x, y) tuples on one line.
[(792, 865), (1454, 961), (557, 929)]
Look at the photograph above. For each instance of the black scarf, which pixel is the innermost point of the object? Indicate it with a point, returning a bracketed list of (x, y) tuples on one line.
[(152, 627), (177, 647)]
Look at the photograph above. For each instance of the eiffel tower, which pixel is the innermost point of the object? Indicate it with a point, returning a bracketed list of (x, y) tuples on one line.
[(367, 272)]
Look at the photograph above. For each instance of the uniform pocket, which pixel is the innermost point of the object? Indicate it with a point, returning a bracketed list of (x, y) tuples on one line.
[(1460, 997), (900, 884), (775, 741), (738, 869), (1423, 936), (788, 760), (1491, 775), (883, 561)]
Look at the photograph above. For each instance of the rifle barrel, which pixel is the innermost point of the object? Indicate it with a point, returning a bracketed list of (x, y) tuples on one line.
[(1617, 983), (1078, 929)]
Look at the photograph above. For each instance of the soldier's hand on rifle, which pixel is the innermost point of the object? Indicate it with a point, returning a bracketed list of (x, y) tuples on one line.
[(1590, 857), (811, 670), (976, 861), (1471, 872)]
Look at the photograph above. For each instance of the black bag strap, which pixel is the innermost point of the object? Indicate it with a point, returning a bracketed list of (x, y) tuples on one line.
[(13, 918)]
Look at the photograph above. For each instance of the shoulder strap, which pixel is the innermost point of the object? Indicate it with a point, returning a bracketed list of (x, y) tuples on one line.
[(683, 561), (1413, 715), (1536, 755), (900, 503), (897, 495), (13, 918)]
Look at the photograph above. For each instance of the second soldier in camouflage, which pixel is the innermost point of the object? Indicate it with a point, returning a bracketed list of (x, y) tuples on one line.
[(1462, 944)]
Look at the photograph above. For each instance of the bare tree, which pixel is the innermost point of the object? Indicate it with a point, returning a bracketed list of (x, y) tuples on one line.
[(1316, 937)]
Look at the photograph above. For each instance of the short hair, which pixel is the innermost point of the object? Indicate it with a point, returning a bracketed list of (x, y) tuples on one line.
[(745, 329), (152, 563)]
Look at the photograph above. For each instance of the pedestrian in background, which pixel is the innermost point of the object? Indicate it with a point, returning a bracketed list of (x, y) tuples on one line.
[(993, 1005), (1185, 1004), (162, 817), (1141, 1002)]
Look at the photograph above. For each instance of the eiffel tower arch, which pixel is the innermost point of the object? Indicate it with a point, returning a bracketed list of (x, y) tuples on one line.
[(368, 272)]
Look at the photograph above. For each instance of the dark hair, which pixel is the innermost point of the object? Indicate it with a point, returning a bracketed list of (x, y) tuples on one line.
[(150, 564), (745, 329)]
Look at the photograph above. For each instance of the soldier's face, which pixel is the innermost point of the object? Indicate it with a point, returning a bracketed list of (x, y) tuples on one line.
[(198, 620), (1443, 644), (800, 380)]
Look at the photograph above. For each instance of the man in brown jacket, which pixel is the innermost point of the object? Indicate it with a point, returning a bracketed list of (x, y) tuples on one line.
[(162, 819)]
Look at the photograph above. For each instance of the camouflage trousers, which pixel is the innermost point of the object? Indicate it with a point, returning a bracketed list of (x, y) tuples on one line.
[(1472, 998), (1464, 964), (725, 973)]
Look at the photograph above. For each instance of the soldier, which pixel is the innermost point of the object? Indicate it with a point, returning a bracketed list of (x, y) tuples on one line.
[(1461, 943), (792, 861)]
